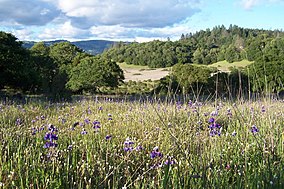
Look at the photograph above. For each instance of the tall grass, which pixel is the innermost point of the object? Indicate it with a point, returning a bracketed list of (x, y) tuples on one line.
[(146, 143)]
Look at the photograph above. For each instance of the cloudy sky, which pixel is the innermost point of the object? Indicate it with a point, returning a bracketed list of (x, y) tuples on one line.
[(129, 20)]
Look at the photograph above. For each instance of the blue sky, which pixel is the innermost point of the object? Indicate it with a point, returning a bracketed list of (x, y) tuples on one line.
[(129, 20)]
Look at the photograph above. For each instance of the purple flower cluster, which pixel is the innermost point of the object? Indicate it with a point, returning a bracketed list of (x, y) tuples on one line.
[(108, 137), (84, 132), (18, 121), (96, 125), (109, 117), (128, 145), (215, 128), (254, 129), (170, 161), (50, 137), (156, 153)]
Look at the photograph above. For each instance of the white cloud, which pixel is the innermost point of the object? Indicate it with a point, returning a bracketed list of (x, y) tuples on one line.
[(249, 4), (63, 31), (129, 13)]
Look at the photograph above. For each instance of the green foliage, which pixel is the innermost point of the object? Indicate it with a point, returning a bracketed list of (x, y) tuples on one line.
[(16, 68), (203, 47), (94, 72), (191, 77), (267, 77)]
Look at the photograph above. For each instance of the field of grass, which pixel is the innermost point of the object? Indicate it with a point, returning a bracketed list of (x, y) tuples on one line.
[(142, 73), (109, 143), (224, 65)]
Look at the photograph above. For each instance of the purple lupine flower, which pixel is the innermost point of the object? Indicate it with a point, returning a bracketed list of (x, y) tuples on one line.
[(89, 110), (108, 137), (139, 148), (100, 108), (170, 161), (84, 132), (128, 145), (263, 108), (211, 120), (42, 117), (234, 133), (214, 113), (215, 129), (189, 103), (50, 137), (49, 144), (229, 112), (70, 147), (52, 128), (156, 153), (87, 120), (254, 129), (96, 125), (109, 116), (18, 121), (34, 130)]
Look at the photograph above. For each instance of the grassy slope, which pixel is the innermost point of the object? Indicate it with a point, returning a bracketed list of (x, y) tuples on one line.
[(137, 72), (224, 65)]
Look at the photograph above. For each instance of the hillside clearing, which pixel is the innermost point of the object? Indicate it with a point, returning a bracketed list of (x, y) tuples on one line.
[(142, 73)]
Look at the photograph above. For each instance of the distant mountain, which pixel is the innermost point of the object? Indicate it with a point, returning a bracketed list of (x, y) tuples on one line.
[(90, 46)]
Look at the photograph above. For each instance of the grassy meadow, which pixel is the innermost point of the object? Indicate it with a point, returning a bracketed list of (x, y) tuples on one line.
[(142, 73), (116, 143)]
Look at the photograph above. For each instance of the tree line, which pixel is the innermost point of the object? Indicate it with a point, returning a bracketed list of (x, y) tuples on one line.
[(63, 69), (203, 47), (57, 70)]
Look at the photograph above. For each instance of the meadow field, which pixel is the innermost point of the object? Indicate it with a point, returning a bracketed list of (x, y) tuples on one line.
[(142, 73), (146, 143)]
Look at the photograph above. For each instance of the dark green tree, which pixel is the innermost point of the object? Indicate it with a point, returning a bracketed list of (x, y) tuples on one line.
[(16, 68), (94, 72)]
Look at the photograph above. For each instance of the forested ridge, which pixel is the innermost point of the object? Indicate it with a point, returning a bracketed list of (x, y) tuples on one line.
[(203, 47)]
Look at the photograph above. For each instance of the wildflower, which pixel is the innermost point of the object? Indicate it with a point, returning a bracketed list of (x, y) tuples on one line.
[(50, 137), (52, 128), (49, 144), (70, 147), (211, 120), (100, 108), (109, 117), (108, 137), (229, 112), (214, 113), (96, 125), (139, 148), (155, 153), (84, 132), (18, 121), (234, 133), (34, 130), (262, 108), (170, 161), (87, 120), (128, 145), (42, 117), (215, 129), (254, 129)]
